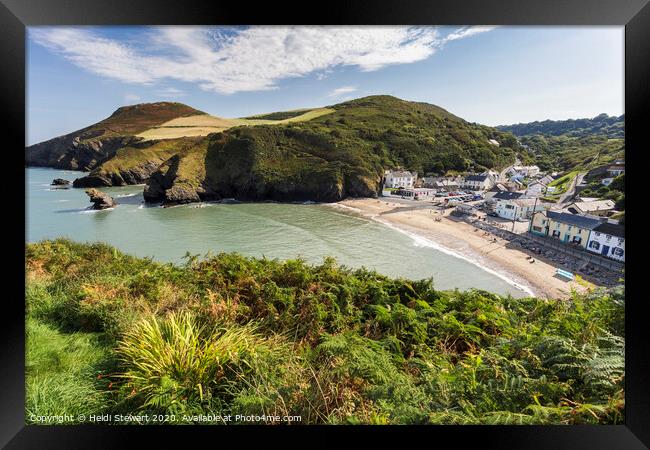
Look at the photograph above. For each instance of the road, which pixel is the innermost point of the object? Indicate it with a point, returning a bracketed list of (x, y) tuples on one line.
[(570, 193), (503, 174)]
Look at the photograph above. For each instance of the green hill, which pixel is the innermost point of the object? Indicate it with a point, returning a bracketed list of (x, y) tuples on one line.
[(567, 145), (610, 126)]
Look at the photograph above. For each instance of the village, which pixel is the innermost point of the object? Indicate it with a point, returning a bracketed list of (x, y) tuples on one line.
[(543, 213)]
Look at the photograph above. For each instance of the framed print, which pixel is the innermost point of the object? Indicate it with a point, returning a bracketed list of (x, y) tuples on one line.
[(388, 220)]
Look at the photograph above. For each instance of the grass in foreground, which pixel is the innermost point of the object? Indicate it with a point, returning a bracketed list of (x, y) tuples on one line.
[(236, 335)]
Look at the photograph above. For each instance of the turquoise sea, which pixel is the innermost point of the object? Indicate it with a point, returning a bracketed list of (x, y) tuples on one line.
[(308, 231)]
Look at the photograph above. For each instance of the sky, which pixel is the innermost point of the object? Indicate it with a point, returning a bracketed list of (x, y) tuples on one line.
[(77, 76)]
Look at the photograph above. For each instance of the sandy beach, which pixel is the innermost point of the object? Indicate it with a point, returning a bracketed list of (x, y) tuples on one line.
[(466, 241)]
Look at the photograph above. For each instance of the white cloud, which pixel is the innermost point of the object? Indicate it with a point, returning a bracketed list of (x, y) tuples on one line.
[(342, 90), (464, 32), (229, 60), (131, 98)]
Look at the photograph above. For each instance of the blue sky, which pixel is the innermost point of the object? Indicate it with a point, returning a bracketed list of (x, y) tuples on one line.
[(77, 76)]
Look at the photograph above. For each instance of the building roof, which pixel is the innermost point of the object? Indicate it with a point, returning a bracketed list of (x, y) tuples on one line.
[(525, 201), (476, 177), (507, 195), (545, 180), (611, 229), (598, 205), (578, 220), (498, 188), (400, 173)]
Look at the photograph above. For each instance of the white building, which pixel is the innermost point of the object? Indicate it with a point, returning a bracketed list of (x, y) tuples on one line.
[(416, 193), (518, 209), (478, 182), (608, 239), (539, 187), (526, 171), (399, 178)]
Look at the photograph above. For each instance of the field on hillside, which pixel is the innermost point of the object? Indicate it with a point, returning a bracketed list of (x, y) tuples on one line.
[(204, 124)]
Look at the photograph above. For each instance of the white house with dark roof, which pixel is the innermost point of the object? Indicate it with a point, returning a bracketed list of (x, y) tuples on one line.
[(478, 182), (518, 209), (399, 178), (608, 239)]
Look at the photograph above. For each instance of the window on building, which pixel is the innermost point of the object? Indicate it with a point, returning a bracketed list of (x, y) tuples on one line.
[(608, 238), (577, 239), (595, 245), (537, 228), (617, 251), (556, 233)]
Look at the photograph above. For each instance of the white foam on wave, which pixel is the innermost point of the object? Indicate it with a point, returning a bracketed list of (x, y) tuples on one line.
[(340, 206), (421, 241), (61, 201), (127, 195), (93, 211)]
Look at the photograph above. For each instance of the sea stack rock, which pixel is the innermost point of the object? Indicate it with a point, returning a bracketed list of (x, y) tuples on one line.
[(100, 200), (60, 182)]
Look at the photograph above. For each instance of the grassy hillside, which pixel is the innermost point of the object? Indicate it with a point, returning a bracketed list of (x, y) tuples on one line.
[(110, 333), (610, 126), (135, 163), (202, 125), (579, 144)]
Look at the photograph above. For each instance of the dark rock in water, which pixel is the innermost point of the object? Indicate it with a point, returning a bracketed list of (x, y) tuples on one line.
[(60, 182), (100, 200), (180, 194)]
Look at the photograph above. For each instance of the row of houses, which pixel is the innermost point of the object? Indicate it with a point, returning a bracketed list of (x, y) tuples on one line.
[(476, 182), (593, 233), (473, 182)]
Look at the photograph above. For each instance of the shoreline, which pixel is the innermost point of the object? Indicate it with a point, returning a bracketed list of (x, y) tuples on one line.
[(464, 241)]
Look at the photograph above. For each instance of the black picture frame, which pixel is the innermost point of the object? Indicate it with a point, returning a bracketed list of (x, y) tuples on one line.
[(16, 15)]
